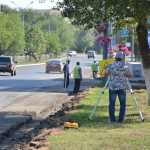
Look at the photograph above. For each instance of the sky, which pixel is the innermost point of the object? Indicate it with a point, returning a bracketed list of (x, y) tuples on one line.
[(33, 4)]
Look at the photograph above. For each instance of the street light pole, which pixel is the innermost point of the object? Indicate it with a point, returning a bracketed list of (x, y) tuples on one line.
[(22, 9), (132, 49)]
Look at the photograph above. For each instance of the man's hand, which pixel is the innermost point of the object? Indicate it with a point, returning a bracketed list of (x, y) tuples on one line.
[(131, 91)]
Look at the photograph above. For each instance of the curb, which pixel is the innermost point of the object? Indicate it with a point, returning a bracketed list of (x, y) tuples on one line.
[(26, 65)]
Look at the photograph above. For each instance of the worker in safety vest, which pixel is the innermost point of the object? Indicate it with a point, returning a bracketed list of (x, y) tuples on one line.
[(77, 75), (94, 68)]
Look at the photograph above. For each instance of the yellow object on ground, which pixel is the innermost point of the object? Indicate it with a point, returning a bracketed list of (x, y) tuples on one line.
[(103, 64), (71, 125)]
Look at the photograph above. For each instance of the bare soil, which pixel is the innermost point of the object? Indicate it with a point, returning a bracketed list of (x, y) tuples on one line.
[(33, 136)]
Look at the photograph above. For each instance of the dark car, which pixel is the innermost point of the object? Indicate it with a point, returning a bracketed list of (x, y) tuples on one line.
[(7, 65), (54, 66)]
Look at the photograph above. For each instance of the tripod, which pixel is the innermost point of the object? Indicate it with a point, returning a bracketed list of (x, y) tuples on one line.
[(98, 100), (135, 100), (102, 92)]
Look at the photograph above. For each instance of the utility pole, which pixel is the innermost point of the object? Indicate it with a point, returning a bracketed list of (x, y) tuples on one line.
[(17, 7), (133, 43)]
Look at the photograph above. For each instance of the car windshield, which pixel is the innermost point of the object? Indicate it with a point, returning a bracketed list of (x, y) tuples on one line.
[(4, 59), (54, 62), (72, 52), (90, 51)]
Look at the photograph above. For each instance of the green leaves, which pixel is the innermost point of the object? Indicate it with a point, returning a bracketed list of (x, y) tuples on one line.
[(11, 34), (88, 12)]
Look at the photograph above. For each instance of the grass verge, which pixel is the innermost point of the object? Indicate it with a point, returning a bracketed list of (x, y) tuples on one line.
[(98, 134)]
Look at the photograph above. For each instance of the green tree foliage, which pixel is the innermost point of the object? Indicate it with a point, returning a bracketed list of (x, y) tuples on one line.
[(88, 13), (53, 43), (66, 34), (37, 32), (35, 42), (58, 32), (11, 34), (63, 28), (84, 40)]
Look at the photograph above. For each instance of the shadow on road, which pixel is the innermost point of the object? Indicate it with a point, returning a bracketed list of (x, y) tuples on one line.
[(54, 85)]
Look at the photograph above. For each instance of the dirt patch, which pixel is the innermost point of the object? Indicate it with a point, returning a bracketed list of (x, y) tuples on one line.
[(33, 136)]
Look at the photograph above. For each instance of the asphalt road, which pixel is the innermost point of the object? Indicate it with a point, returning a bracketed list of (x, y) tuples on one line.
[(31, 82)]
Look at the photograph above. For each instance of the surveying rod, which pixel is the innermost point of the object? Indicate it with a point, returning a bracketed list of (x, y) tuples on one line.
[(98, 100), (135, 100)]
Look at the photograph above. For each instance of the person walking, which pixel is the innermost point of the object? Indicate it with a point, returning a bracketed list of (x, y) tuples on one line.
[(118, 77), (94, 68), (77, 75), (66, 74)]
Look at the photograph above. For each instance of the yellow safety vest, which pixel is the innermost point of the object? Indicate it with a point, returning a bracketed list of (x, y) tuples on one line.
[(94, 67), (76, 73)]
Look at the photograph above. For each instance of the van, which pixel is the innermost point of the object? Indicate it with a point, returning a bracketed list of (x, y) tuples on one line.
[(91, 54)]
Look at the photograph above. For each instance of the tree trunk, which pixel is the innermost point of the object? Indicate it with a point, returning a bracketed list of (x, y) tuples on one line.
[(142, 33), (105, 50)]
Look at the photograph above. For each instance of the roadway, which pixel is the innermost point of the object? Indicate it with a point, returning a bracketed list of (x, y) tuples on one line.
[(33, 86)]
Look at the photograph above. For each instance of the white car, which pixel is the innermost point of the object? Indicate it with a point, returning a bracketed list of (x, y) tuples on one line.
[(72, 53), (91, 54)]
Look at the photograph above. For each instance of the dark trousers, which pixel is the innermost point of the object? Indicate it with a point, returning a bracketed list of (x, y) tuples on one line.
[(66, 80), (112, 99), (76, 85), (94, 74)]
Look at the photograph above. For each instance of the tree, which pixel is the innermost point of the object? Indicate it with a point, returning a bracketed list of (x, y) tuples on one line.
[(11, 34), (66, 33), (84, 40), (53, 42), (63, 28), (35, 42), (88, 13)]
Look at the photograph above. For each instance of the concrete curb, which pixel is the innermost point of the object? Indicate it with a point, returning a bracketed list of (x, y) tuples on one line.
[(26, 65)]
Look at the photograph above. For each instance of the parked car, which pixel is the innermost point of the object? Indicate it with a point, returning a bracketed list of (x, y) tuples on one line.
[(91, 54), (7, 65), (137, 80), (72, 53), (54, 66)]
